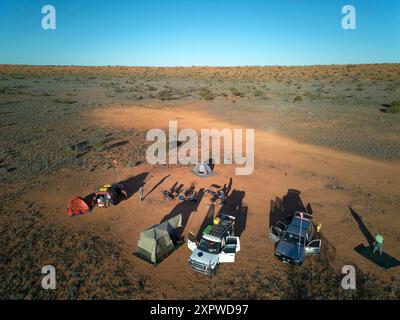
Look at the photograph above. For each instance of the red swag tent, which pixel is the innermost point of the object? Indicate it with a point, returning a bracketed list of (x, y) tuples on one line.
[(77, 206)]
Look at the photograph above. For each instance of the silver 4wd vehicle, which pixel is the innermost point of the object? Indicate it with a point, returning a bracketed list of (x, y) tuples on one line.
[(295, 241), (217, 245)]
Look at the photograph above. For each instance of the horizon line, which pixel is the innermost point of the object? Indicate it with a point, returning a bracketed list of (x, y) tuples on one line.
[(196, 66)]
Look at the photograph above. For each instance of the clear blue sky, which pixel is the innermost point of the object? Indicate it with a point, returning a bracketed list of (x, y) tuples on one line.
[(199, 32)]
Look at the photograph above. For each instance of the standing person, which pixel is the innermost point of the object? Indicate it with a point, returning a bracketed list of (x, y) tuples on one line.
[(141, 193), (378, 243)]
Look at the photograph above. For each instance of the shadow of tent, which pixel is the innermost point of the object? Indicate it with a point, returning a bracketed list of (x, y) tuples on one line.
[(89, 200), (211, 163), (384, 261)]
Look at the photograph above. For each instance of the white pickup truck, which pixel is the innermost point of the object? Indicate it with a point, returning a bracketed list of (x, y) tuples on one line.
[(217, 245)]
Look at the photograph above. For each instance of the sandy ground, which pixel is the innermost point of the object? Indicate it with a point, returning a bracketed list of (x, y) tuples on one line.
[(280, 164), (322, 130)]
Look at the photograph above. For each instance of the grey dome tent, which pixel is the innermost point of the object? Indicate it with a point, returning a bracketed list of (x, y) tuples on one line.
[(203, 170), (156, 243)]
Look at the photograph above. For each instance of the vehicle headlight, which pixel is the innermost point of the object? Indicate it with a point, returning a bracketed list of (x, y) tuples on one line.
[(277, 253)]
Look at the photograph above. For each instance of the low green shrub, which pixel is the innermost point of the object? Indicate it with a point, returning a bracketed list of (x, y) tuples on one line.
[(206, 94), (395, 107)]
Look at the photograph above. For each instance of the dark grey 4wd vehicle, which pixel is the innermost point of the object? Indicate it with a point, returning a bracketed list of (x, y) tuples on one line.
[(295, 241)]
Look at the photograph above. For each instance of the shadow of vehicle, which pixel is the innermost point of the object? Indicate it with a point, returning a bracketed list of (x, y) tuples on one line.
[(283, 209), (131, 185), (235, 207)]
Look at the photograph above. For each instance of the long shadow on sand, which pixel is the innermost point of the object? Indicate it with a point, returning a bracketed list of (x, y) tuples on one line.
[(234, 206), (385, 260), (155, 187), (367, 234), (282, 209), (184, 208), (132, 185)]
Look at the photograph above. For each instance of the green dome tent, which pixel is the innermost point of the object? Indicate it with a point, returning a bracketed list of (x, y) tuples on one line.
[(155, 243)]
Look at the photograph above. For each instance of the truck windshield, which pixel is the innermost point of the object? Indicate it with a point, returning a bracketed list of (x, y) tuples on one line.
[(209, 246), (293, 238)]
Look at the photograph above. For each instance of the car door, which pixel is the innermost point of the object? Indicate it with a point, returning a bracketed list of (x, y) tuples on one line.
[(230, 240), (314, 247), (227, 254), (191, 242), (275, 232)]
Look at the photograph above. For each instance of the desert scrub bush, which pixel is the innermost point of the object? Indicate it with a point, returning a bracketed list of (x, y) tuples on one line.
[(119, 89), (64, 101), (395, 107), (206, 94), (95, 253), (164, 94), (258, 93), (235, 92), (298, 98), (17, 76)]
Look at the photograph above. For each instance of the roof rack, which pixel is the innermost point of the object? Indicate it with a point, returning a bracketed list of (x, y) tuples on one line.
[(303, 215), (220, 229)]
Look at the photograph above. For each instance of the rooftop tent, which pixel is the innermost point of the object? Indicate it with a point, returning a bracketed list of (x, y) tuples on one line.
[(77, 206), (203, 170), (156, 243)]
